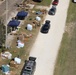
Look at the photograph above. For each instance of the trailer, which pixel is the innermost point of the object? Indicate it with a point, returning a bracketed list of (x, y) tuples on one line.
[(29, 66)]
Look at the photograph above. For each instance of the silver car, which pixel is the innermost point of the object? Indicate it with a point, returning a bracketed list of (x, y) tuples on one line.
[(52, 11)]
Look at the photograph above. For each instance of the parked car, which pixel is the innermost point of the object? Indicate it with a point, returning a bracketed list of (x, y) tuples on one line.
[(52, 11), (55, 2), (29, 66), (37, 0), (45, 28)]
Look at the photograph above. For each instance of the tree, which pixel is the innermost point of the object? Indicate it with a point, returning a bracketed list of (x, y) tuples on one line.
[(2, 32)]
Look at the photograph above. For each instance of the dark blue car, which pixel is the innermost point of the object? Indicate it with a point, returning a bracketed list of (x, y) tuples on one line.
[(45, 28)]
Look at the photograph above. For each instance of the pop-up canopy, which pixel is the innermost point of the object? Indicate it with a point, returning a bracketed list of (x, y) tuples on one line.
[(21, 15), (14, 23)]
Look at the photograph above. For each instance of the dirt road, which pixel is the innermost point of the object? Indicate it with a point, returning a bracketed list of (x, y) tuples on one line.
[(47, 45)]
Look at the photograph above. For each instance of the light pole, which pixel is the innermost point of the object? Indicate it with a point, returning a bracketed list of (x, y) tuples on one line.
[(6, 21)]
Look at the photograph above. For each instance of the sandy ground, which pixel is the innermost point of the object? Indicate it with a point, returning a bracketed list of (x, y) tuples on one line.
[(47, 45), (1, 1)]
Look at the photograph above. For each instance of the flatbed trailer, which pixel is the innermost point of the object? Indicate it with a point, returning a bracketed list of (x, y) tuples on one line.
[(29, 66)]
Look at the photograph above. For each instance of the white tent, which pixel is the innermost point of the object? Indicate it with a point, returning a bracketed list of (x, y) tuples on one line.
[(29, 27)]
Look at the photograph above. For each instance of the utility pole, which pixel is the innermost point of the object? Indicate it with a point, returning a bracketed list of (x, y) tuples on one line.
[(6, 21)]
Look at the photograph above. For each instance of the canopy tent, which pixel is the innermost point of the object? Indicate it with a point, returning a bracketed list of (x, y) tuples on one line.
[(5, 69), (21, 15), (14, 23)]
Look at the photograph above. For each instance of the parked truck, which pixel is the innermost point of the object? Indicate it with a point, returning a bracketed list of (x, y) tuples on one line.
[(29, 66)]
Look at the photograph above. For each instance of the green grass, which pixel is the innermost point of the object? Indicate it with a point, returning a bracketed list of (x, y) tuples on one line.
[(45, 2), (66, 60), (72, 13)]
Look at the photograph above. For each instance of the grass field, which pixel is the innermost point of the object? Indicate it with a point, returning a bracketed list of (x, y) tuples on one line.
[(45, 2), (72, 12), (66, 60), (42, 3)]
